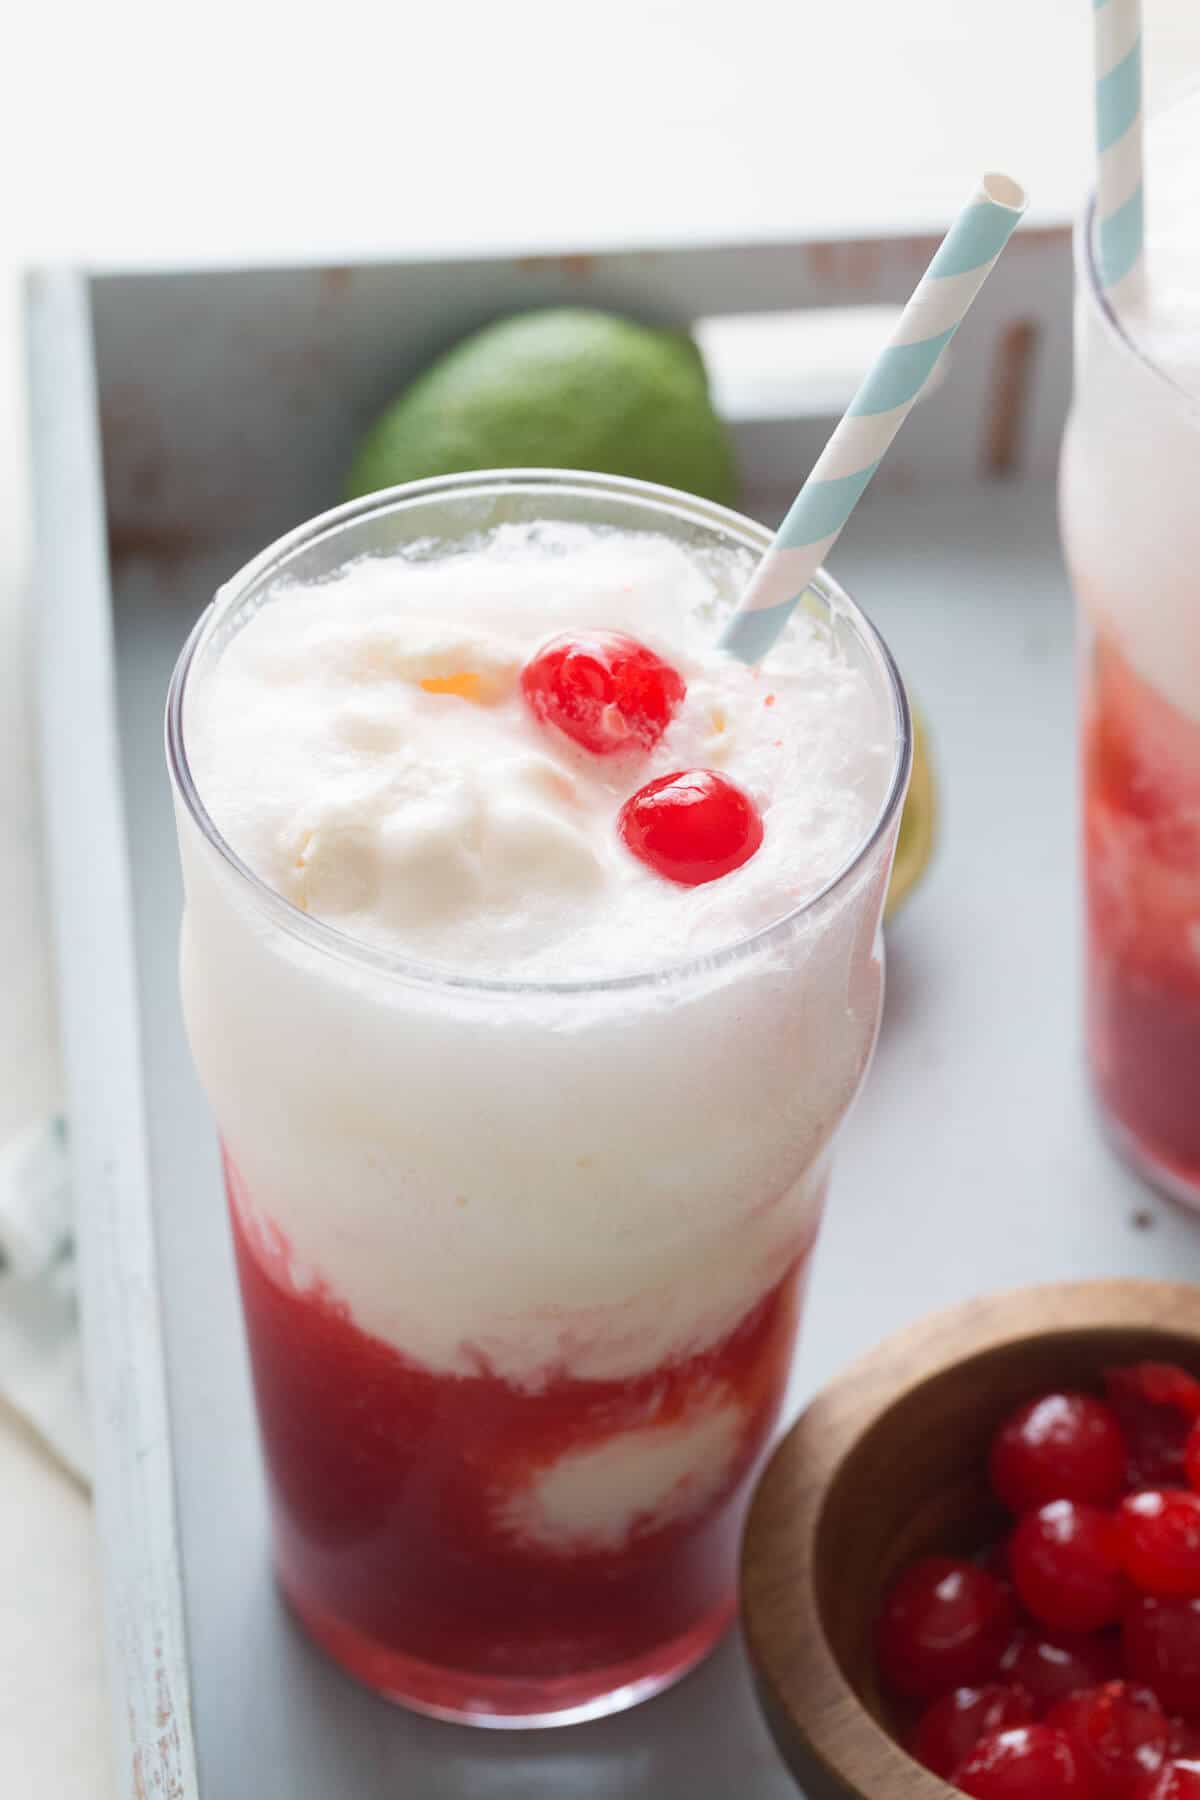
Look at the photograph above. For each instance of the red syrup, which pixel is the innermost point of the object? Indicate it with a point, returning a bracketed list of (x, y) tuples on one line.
[(1141, 778), (397, 1539)]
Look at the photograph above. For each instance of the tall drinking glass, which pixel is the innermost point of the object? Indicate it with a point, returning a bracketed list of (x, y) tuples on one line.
[(521, 1263), (1130, 509)]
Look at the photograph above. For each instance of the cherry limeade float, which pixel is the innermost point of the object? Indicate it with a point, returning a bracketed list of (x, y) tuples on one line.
[(530, 961), (1131, 527)]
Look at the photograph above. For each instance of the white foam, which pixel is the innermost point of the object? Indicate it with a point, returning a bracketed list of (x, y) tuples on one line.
[(533, 1182)]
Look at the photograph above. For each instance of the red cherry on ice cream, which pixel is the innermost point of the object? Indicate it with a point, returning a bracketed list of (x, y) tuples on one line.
[(603, 690), (693, 826)]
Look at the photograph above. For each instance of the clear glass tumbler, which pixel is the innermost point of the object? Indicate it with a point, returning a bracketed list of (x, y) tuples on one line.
[(539, 1521), (1130, 511)]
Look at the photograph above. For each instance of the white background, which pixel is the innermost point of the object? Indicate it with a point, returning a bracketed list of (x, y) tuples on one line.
[(132, 132)]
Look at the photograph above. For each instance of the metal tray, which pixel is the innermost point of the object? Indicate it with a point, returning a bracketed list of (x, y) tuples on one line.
[(183, 419)]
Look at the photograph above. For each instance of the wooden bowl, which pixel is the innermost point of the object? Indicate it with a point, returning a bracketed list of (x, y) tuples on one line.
[(889, 1463)]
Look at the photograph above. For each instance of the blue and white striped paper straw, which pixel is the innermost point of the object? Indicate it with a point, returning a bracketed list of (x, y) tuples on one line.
[(1119, 222), (841, 473)]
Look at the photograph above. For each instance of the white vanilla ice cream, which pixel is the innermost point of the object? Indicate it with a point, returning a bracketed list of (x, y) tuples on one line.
[(536, 1180), (453, 827), (1131, 463)]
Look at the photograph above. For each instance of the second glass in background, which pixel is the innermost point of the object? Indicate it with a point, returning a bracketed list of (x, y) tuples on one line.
[(1130, 506)]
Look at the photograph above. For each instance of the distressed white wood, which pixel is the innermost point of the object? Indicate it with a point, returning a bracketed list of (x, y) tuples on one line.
[(231, 400), (93, 941)]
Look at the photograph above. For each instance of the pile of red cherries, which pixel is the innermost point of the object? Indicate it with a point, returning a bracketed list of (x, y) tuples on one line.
[(608, 693), (1064, 1662)]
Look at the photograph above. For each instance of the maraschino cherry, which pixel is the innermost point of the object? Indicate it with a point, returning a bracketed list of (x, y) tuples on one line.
[(1095, 1693), (1119, 1733), (1050, 1666), (944, 1625), (1031, 1762), (1066, 1566), (1061, 1447), (693, 826), (1158, 1406), (1175, 1780), (1162, 1649), (1160, 1540), (603, 689), (949, 1730)]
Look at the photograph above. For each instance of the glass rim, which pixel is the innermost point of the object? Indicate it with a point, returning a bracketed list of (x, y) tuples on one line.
[(319, 934), (1087, 277)]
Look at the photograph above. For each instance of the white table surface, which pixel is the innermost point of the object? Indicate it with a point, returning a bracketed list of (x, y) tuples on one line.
[(133, 134)]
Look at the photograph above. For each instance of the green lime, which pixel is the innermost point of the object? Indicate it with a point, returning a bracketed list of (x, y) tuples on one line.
[(918, 823), (568, 388)]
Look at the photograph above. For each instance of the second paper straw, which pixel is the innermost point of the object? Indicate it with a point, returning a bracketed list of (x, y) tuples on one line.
[(960, 267), (1119, 222)]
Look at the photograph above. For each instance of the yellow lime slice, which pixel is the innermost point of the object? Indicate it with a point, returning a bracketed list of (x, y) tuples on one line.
[(918, 825)]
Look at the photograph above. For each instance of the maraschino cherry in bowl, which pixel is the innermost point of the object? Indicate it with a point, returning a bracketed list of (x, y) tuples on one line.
[(973, 1565)]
